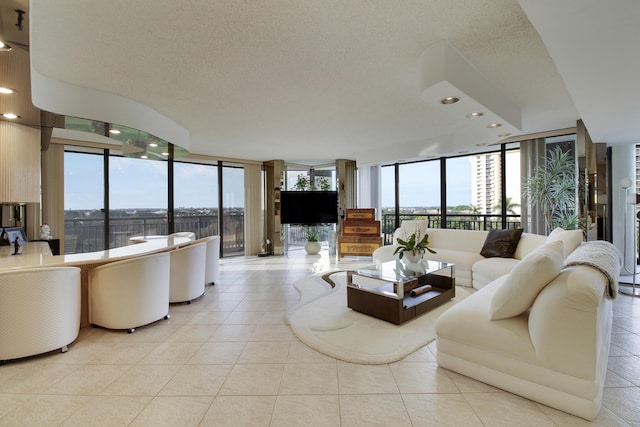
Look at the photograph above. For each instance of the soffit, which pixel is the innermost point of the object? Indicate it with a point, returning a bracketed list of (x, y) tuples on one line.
[(302, 80)]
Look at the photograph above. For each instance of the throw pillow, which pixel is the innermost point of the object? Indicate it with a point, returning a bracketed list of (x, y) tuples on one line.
[(501, 243), (571, 238), (526, 280)]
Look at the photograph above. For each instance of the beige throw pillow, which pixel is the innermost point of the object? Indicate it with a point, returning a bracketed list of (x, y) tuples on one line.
[(571, 238), (526, 280)]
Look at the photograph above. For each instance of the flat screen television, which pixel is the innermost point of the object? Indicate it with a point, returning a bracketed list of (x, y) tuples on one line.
[(309, 207)]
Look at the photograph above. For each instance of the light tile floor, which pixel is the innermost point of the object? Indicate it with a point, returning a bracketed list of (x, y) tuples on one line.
[(229, 359)]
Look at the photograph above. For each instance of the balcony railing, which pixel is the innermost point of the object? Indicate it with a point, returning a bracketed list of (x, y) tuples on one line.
[(454, 221), (87, 234)]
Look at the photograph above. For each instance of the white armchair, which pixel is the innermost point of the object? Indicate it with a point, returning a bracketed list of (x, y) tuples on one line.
[(39, 310), (187, 272), (130, 293), (212, 266), (189, 234)]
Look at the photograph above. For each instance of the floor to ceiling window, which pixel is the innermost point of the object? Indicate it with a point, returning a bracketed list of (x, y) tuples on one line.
[(137, 199), (388, 202), (195, 198), (419, 191), (232, 210), (83, 201)]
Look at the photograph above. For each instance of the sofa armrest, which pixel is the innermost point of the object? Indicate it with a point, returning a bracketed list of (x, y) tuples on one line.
[(384, 254), (570, 322)]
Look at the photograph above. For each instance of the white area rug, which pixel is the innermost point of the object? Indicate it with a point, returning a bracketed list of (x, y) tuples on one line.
[(324, 322)]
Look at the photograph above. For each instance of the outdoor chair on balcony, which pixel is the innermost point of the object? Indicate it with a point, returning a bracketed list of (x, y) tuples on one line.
[(39, 310), (130, 293), (187, 272)]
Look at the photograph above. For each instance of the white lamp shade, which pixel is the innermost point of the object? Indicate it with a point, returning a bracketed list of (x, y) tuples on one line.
[(626, 183), (19, 164)]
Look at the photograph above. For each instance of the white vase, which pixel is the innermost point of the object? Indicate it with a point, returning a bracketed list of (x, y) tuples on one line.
[(410, 258), (312, 248)]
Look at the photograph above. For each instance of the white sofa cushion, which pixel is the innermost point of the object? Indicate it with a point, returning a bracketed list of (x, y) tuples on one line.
[(487, 270), (527, 244), (526, 280), (571, 238)]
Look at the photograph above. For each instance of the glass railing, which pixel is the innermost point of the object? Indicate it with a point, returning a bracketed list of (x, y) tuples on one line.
[(454, 221), (87, 235)]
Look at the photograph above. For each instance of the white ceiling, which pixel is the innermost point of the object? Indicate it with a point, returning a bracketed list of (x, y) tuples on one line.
[(311, 80)]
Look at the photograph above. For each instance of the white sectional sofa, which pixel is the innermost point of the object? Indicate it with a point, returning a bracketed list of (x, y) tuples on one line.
[(540, 324), (555, 351), (463, 247)]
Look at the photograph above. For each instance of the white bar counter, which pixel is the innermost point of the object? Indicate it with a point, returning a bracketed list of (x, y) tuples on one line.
[(38, 254)]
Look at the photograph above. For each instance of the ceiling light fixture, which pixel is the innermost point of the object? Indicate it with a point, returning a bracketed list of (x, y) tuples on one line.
[(449, 100), (114, 131), (474, 115), (10, 116), (6, 90), (504, 135), (494, 125), (153, 144)]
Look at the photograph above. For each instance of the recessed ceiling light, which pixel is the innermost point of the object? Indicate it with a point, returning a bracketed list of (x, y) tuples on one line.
[(504, 135), (474, 115), (10, 116), (153, 144), (449, 100), (494, 125), (114, 131), (6, 90)]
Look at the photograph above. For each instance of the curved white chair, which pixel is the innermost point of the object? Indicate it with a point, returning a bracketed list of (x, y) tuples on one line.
[(189, 234), (39, 310), (212, 265), (130, 293), (187, 272)]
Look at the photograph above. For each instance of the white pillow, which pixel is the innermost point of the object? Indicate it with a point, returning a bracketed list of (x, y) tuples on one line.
[(571, 238), (526, 280)]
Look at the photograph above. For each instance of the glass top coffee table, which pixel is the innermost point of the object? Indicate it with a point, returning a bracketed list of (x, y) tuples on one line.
[(396, 291)]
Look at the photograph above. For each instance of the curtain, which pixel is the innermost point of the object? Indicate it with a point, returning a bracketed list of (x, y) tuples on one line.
[(253, 212)]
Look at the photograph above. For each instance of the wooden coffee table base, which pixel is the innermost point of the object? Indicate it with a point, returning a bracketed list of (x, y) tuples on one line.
[(396, 310)]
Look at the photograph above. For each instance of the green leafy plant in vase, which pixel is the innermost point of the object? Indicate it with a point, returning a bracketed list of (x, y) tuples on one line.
[(413, 248)]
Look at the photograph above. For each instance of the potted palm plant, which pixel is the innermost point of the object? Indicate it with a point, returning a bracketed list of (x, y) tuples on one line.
[(413, 248), (552, 187)]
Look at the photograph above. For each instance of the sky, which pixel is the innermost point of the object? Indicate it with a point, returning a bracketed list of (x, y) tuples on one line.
[(137, 183)]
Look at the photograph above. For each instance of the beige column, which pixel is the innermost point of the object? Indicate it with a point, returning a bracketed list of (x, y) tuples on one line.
[(273, 181), (253, 209), (53, 191)]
